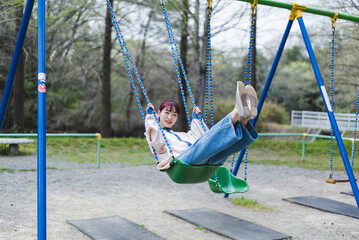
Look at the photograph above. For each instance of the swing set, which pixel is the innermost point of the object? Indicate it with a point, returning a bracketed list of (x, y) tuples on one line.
[(177, 166), (331, 179), (181, 172), (296, 13)]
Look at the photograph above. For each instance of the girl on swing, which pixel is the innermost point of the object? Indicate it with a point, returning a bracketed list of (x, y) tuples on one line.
[(198, 146)]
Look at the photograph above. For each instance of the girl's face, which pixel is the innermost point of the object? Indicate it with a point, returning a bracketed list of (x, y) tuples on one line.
[(167, 117)]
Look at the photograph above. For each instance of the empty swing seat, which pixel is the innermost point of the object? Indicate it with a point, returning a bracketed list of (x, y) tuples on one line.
[(184, 173), (226, 182), (337, 180)]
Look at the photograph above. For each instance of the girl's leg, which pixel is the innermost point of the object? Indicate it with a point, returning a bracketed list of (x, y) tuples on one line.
[(249, 136), (230, 135), (221, 137)]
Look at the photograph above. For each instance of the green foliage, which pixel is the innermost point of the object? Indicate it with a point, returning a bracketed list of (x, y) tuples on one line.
[(294, 54), (4, 149), (271, 112), (250, 203), (221, 108), (262, 69), (296, 88)]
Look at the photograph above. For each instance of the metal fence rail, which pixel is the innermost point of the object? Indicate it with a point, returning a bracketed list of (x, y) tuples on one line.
[(304, 136), (320, 120)]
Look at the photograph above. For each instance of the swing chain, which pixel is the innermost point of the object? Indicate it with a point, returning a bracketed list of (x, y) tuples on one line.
[(176, 55), (331, 174), (248, 76), (126, 54), (355, 131), (246, 165), (209, 82), (249, 57), (232, 163)]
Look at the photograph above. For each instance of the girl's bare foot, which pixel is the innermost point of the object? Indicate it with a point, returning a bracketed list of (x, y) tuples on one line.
[(236, 117)]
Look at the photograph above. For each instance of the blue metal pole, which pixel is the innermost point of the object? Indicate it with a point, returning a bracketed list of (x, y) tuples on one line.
[(15, 60), (333, 122), (41, 124), (265, 89)]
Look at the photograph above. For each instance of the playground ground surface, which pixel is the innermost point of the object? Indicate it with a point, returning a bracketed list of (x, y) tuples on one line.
[(142, 193)]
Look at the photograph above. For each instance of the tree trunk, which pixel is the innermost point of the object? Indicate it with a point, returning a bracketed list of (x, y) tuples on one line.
[(201, 85), (140, 63), (106, 128), (19, 89), (183, 123), (197, 61)]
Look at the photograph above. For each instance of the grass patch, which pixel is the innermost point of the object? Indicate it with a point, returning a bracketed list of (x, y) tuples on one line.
[(12, 170), (249, 203), (289, 152), (135, 151)]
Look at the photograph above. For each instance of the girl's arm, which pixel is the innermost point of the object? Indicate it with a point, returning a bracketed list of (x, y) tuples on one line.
[(153, 133), (197, 123)]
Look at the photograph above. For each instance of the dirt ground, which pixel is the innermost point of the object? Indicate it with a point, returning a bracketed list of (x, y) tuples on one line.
[(141, 194)]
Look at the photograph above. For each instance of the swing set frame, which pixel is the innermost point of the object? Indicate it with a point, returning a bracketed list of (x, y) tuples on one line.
[(296, 13), (41, 90)]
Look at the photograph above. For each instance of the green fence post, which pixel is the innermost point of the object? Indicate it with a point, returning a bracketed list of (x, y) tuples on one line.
[(303, 147), (98, 135)]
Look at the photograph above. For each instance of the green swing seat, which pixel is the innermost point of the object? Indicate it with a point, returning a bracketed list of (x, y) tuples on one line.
[(226, 182), (184, 173)]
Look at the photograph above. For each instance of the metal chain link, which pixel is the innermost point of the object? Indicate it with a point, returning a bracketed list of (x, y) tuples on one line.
[(174, 50), (355, 131), (331, 174), (209, 66), (126, 53), (248, 76), (176, 55)]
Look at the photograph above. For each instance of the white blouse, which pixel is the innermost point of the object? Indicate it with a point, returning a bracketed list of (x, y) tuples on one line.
[(178, 141)]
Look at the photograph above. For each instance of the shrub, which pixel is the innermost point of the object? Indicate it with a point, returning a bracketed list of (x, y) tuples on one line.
[(271, 112)]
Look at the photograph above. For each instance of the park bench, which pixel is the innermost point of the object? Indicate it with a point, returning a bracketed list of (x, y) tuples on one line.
[(14, 143)]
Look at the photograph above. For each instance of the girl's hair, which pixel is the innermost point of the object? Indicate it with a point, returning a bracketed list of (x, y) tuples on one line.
[(169, 105)]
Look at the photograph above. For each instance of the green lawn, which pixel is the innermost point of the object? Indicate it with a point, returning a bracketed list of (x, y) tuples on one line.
[(135, 151)]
